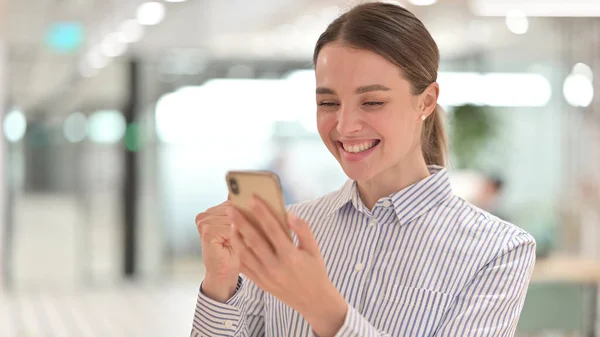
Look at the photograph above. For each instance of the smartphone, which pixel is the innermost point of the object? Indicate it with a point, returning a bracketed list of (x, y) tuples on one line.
[(243, 185)]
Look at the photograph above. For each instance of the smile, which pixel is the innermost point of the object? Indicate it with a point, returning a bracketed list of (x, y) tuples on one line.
[(361, 147)]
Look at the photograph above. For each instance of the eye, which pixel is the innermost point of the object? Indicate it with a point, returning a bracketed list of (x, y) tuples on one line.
[(373, 103), (327, 104)]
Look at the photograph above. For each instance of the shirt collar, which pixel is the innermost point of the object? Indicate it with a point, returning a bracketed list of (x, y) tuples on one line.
[(342, 196), (409, 203), (418, 198)]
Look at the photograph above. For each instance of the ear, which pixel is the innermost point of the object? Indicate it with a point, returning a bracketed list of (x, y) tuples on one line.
[(429, 99)]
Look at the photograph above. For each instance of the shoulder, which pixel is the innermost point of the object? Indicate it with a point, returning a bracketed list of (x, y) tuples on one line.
[(481, 227)]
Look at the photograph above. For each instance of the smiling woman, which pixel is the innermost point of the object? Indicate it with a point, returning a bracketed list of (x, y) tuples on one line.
[(393, 252)]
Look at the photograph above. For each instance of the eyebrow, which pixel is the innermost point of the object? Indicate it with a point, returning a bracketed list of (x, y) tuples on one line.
[(360, 90)]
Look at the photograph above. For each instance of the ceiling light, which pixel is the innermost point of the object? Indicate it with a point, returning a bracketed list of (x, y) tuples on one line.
[(585, 70), (150, 13), (106, 127), (15, 125), (578, 90), (96, 59), (113, 46), (130, 31), (517, 22), (537, 8), (75, 127)]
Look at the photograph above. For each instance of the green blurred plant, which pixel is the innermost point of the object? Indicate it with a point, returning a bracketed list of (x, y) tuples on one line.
[(471, 129)]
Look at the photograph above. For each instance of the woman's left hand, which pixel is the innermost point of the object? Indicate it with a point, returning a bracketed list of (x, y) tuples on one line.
[(296, 275)]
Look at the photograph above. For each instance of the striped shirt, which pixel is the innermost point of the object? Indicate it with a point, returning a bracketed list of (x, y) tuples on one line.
[(422, 262)]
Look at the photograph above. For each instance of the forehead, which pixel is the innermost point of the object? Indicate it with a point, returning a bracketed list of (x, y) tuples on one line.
[(341, 64)]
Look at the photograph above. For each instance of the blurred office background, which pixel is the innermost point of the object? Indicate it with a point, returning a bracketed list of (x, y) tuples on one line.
[(120, 119)]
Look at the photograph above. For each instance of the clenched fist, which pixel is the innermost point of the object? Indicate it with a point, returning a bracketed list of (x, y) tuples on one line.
[(221, 260)]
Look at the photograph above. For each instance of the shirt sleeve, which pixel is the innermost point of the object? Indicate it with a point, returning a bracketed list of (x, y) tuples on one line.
[(241, 315), (490, 305)]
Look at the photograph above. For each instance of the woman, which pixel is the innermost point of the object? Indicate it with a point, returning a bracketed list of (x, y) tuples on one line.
[(393, 252)]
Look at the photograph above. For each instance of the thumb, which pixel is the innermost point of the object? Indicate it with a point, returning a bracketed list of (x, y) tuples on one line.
[(306, 239)]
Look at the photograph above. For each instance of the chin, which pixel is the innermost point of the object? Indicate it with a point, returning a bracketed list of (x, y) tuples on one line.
[(358, 172)]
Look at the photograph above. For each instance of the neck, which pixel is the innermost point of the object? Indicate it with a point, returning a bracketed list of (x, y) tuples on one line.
[(392, 180)]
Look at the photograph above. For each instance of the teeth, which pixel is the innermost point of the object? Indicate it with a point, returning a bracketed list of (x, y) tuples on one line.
[(359, 147)]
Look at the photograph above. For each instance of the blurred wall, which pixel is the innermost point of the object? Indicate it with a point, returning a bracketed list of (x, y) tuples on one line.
[(2, 189), (3, 103)]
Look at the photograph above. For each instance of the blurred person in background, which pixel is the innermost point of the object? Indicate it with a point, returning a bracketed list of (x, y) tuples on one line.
[(394, 252), (490, 194)]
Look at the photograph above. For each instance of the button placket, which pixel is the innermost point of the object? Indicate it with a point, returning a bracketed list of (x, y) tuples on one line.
[(363, 265)]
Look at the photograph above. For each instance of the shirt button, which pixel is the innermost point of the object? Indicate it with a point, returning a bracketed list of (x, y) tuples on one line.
[(387, 203), (372, 223), (359, 266), (228, 324)]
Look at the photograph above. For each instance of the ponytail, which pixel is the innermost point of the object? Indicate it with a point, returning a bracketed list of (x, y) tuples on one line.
[(433, 139)]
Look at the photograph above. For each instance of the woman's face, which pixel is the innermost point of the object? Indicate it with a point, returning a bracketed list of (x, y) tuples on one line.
[(367, 115)]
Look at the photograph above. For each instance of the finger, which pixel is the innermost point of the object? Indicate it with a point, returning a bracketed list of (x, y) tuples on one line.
[(238, 242), (252, 238), (270, 226), (199, 218), (200, 222), (254, 276), (216, 227), (221, 234), (213, 218), (249, 264), (307, 241), (204, 219), (220, 208)]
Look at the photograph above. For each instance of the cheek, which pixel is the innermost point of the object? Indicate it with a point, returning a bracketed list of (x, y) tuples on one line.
[(400, 131), (326, 122)]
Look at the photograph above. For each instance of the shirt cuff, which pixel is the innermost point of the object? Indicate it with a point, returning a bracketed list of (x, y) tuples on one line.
[(355, 325), (213, 318)]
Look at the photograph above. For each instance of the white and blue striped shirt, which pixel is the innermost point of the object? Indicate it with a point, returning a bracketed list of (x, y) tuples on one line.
[(423, 262)]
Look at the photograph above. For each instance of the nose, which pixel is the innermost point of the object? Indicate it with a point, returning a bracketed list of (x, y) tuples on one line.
[(348, 121)]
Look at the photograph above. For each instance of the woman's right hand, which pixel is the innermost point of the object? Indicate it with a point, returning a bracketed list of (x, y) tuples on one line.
[(221, 261)]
